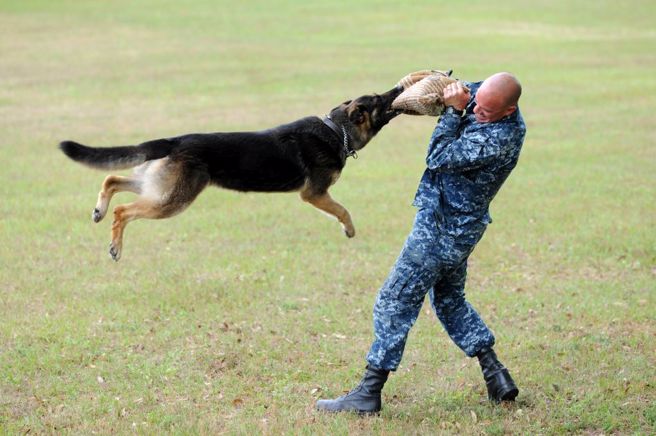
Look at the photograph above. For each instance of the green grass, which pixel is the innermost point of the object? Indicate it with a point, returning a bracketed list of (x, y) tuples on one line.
[(238, 314)]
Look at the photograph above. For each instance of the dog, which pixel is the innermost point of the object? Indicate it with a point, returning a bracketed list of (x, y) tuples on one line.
[(307, 156)]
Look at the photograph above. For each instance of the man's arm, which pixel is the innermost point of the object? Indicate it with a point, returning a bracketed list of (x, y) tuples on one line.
[(448, 154)]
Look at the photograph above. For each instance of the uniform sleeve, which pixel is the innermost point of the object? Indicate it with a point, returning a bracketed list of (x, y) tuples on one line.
[(448, 154)]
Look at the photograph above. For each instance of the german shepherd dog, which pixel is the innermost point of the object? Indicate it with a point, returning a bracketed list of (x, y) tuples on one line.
[(306, 155)]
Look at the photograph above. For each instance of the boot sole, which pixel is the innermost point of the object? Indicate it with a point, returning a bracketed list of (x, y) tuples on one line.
[(501, 387), (357, 412), (508, 393), (363, 414)]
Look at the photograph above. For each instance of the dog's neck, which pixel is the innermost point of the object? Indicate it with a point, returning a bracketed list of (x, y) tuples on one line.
[(341, 132)]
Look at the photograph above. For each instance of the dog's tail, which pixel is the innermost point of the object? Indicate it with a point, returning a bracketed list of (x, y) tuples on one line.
[(116, 158)]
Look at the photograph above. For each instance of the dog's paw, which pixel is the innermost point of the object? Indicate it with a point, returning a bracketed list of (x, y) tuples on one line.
[(114, 252), (96, 216)]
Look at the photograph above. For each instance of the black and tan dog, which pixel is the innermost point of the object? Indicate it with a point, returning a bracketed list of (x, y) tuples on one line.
[(307, 155)]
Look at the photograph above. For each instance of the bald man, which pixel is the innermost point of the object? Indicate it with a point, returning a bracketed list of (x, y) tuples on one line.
[(473, 149)]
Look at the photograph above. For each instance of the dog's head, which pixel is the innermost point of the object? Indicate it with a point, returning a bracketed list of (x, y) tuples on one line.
[(366, 115)]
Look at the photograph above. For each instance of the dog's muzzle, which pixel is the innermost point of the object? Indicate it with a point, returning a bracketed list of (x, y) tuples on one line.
[(389, 97), (391, 114)]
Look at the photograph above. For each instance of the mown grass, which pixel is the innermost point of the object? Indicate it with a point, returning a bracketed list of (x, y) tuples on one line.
[(235, 316)]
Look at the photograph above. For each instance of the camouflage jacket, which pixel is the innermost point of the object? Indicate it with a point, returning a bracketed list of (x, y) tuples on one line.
[(467, 164)]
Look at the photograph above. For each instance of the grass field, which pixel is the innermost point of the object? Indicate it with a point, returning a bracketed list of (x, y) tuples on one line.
[(238, 314)]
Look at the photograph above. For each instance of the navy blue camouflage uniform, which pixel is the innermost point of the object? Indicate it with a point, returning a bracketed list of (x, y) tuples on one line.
[(467, 163)]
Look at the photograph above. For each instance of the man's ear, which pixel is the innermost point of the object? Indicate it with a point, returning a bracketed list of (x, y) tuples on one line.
[(510, 110), (356, 116)]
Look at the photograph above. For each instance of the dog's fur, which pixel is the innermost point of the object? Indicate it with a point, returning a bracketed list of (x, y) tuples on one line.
[(306, 155)]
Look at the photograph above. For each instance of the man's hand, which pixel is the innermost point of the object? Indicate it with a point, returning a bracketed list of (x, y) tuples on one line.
[(456, 95)]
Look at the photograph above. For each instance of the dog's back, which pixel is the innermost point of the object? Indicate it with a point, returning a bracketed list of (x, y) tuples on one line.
[(272, 160)]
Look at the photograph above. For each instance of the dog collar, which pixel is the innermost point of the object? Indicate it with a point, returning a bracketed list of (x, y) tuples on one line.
[(347, 148)]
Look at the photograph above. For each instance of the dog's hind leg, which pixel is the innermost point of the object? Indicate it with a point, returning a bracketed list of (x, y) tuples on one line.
[(111, 186), (166, 191), (325, 202), (125, 213)]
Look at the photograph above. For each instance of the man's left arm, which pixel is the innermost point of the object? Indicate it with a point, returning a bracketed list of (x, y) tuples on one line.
[(450, 153), (462, 154)]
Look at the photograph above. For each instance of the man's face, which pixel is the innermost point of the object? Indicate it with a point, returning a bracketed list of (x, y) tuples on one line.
[(490, 106)]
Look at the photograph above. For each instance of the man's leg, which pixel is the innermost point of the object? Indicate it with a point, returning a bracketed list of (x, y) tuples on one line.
[(460, 320), (397, 307), (466, 328), (400, 298)]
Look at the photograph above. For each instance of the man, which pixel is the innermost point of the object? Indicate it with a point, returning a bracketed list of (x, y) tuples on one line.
[(472, 151)]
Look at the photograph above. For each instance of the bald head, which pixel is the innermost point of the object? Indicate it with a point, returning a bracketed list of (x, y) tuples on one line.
[(506, 86), (497, 97)]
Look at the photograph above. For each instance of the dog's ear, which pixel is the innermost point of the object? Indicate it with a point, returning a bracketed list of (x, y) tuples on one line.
[(346, 103), (356, 114)]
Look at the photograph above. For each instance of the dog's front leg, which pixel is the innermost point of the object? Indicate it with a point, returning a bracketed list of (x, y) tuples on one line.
[(326, 203)]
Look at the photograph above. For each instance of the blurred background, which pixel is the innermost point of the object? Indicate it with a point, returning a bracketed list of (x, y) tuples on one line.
[(236, 315)]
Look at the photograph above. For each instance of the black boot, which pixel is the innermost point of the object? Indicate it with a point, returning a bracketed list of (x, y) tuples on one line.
[(500, 386), (364, 399)]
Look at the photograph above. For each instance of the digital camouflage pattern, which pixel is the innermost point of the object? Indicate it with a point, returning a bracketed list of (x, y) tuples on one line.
[(467, 163)]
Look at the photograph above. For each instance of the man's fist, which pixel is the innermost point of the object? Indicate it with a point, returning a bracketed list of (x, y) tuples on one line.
[(456, 95)]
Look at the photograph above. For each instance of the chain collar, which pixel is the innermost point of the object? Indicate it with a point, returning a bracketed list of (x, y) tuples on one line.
[(350, 152)]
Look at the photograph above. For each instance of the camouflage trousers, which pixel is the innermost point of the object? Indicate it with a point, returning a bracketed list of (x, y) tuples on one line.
[(432, 261)]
